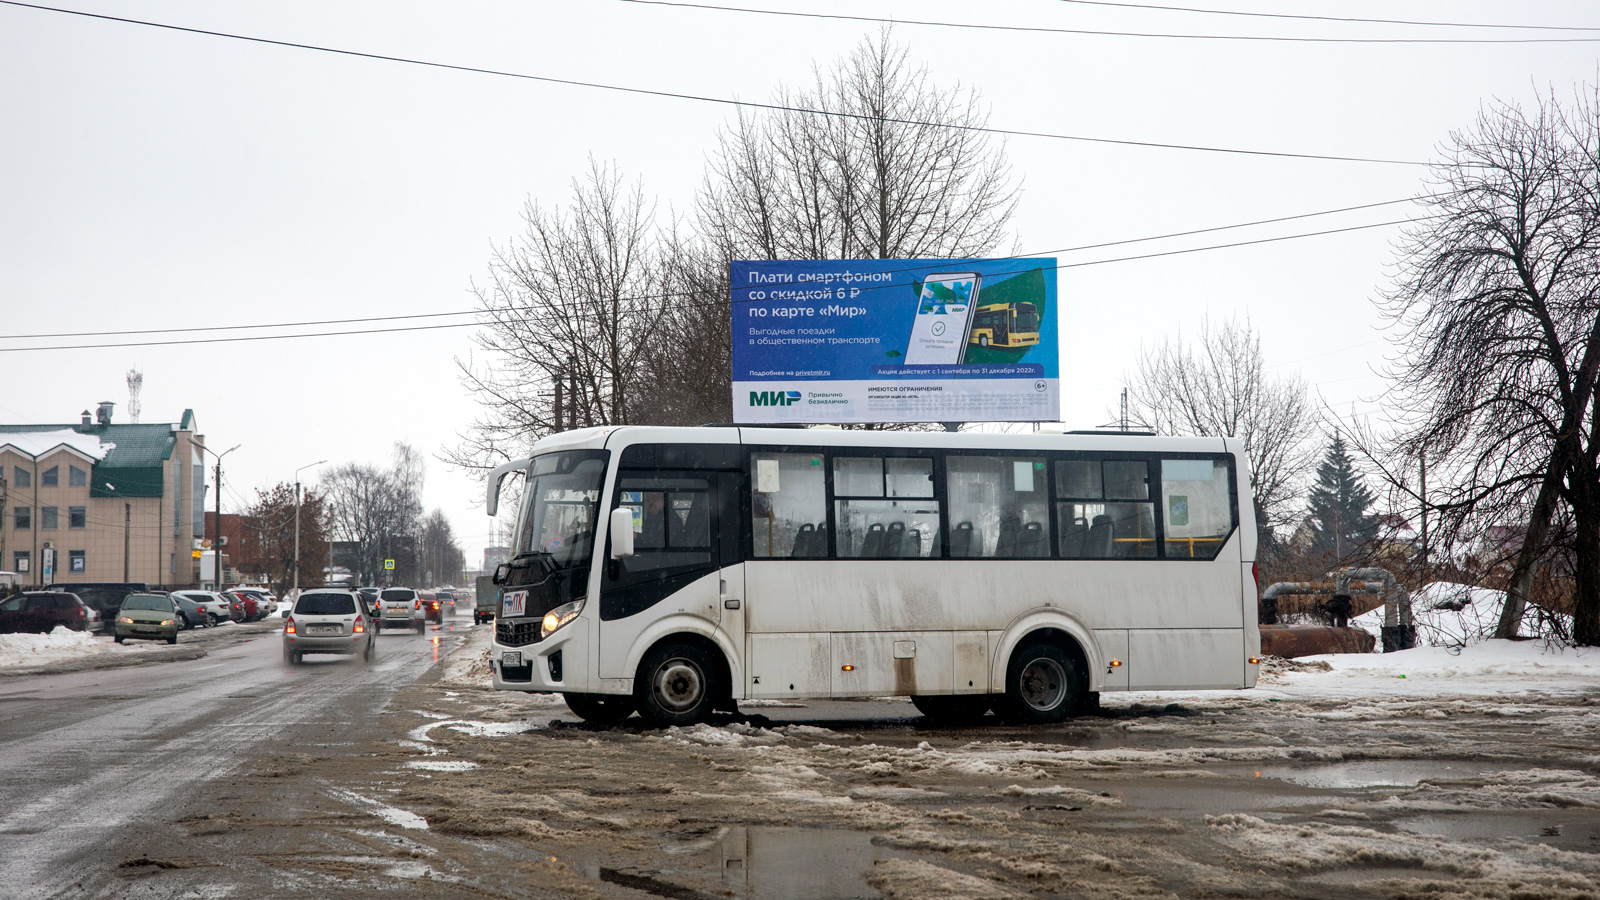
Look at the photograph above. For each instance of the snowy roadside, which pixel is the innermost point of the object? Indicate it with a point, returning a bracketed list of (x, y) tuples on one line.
[(64, 650)]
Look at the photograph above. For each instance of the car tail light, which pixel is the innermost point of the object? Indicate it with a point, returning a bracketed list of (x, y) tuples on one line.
[(289, 628), (360, 628), (417, 605)]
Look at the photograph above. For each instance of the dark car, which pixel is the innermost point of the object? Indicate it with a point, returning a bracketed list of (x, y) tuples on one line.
[(104, 597), (432, 607), (194, 615), (39, 612)]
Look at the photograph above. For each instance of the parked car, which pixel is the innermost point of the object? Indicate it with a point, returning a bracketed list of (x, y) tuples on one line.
[(150, 616), (432, 607), (105, 597), (243, 606), (325, 621), (39, 612), (264, 600), (194, 615), (401, 608), (215, 605)]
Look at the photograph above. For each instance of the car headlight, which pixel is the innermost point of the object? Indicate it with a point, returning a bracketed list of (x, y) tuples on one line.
[(126, 620), (556, 618), (166, 621)]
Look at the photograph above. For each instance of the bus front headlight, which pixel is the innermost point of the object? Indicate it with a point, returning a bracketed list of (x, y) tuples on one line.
[(556, 618)]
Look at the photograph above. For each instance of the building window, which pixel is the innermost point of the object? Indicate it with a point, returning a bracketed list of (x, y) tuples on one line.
[(49, 518), (50, 477), (76, 477), (77, 517), (20, 477), (23, 517), (75, 561), (20, 562)]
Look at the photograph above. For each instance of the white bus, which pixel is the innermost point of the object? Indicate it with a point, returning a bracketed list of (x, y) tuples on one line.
[(675, 571)]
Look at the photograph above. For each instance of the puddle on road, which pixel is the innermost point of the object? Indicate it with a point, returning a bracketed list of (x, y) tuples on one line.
[(1378, 772), (1566, 829), (760, 863)]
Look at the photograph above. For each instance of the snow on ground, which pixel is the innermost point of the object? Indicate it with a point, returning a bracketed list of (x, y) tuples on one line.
[(60, 645), (1450, 615)]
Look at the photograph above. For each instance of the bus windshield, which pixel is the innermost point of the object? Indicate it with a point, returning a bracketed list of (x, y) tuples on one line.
[(1027, 318), (560, 505)]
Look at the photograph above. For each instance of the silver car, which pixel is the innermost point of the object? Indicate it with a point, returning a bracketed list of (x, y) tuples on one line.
[(401, 608), (326, 621)]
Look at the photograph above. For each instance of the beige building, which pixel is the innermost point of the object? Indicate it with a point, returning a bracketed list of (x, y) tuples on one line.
[(98, 501)]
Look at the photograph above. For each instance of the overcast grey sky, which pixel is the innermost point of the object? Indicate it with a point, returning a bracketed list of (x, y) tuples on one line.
[(155, 179)]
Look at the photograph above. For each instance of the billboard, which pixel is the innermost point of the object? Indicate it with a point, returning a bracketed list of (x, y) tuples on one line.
[(895, 340)]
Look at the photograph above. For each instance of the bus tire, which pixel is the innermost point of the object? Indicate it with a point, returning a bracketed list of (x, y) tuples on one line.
[(599, 709), (676, 685), (1043, 684), (983, 340), (948, 710)]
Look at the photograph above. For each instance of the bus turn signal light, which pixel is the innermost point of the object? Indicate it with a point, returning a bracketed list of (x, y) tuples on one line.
[(1115, 663), (847, 668), (1255, 660)]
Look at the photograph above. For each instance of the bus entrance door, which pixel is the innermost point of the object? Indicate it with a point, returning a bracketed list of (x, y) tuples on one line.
[(677, 566)]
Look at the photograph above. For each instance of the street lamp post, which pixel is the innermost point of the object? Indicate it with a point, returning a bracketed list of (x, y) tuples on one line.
[(295, 570), (216, 539)]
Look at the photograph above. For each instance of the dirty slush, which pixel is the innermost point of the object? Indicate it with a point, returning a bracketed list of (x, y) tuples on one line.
[(473, 793)]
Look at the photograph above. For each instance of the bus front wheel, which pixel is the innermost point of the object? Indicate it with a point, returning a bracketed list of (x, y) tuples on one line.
[(1043, 684), (675, 685), (599, 709), (983, 340)]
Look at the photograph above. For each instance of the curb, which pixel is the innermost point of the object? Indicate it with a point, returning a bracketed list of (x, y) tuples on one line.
[(109, 661)]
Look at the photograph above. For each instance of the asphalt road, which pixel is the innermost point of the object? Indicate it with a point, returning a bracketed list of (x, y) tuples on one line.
[(99, 769)]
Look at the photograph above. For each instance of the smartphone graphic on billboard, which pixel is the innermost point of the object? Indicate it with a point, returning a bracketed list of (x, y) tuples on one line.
[(944, 318)]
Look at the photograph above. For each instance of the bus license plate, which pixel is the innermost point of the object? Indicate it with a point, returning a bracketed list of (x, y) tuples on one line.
[(511, 658)]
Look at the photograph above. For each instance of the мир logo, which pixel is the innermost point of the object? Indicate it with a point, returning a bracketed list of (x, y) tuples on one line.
[(774, 398)]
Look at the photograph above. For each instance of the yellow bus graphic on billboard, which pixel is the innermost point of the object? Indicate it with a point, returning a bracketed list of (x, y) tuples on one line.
[(1005, 325)]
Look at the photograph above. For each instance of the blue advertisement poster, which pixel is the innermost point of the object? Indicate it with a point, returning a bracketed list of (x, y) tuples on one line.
[(895, 340)]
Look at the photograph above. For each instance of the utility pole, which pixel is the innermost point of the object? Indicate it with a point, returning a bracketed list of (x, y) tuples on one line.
[(216, 541), (1422, 498), (127, 533)]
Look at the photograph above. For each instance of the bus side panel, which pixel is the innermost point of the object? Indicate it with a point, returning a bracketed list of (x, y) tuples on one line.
[(789, 665), (893, 663), (972, 662), (1252, 630), (1114, 646), (1185, 658)]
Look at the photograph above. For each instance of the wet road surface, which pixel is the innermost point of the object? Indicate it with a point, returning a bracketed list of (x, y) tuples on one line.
[(97, 766)]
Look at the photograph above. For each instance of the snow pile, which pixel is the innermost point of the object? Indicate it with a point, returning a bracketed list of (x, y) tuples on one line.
[(1453, 615), (468, 666), (1505, 662), (734, 734), (20, 650)]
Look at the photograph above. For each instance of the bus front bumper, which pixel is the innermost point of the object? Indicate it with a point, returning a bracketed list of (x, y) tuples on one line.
[(558, 664)]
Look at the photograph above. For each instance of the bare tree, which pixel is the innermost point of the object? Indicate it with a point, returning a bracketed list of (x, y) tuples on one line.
[(568, 316), (896, 170), (378, 510), (439, 557), (1220, 386), (1499, 303)]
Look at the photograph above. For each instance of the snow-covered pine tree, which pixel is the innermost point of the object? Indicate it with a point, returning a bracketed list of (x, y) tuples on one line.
[(1340, 507)]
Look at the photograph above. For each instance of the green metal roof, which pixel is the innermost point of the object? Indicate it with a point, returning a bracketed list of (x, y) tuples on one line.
[(137, 446)]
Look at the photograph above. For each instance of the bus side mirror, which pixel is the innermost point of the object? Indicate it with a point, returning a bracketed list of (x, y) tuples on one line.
[(621, 533)]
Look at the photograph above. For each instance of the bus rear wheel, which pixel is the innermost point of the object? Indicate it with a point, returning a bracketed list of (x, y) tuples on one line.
[(600, 709), (946, 710), (676, 685), (1043, 684)]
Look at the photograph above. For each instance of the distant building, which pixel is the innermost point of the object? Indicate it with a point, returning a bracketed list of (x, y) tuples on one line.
[(102, 500), (494, 556)]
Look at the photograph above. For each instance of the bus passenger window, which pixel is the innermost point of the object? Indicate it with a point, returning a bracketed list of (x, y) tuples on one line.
[(893, 515), (789, 506), (997, 507), (1195, 495), (1093, 525)]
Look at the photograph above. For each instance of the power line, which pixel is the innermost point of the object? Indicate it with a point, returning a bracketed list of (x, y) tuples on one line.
[(778, 107), (1351, 19), (1182, 36), (1099, 262), (467, 312)]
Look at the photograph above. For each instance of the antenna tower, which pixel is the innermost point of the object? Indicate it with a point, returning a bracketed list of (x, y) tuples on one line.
[(135, 384)]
